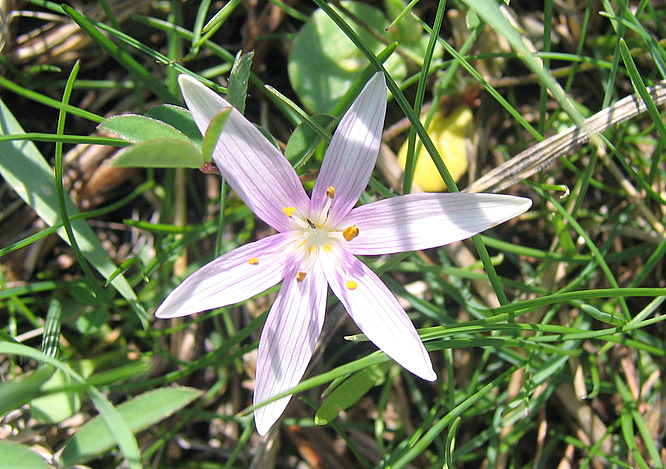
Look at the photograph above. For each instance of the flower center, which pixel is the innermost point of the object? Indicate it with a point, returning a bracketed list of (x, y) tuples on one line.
[(313, 237), (319, 238)]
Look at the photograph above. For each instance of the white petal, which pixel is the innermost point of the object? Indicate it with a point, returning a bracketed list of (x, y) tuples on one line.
[(422, 221), (352, 153), (287, 342), (232, 277), (252, 166), (377, 313)]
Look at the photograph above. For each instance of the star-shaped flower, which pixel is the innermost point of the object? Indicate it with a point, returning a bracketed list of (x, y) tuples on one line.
[(318, 239)]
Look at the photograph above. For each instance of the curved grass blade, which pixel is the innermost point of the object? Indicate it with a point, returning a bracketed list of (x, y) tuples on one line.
[(24, 168), (114, 422), (94, 439)]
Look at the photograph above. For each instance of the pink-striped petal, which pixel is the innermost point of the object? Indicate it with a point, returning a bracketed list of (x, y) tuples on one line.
[(421, 221), (287, 342), (352, 153), (252, 166), (233, 277), (377, 313)]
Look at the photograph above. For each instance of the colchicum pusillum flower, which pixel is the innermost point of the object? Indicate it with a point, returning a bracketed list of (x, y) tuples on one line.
[(318, 239)]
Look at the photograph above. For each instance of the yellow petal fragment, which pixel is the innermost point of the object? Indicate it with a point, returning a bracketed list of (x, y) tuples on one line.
[(351, 285), (253, 261), (300, 276), (449, 134), (350, 232), (289, 211), (330, 192)]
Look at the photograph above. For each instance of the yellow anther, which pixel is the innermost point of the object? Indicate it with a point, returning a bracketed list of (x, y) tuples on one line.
[(330, 192), (253, 261), (350, 232), (289, 211), (351, 285), (300, 276)]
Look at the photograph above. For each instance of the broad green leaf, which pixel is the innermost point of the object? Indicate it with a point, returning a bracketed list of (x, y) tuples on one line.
[(59, 406), (17, 456), (161, 153), (135, 128), (179, 118), (407, 31), (305, 140), (18, 392), (350, 391), (24, 168), (323, 62), (94, 439)]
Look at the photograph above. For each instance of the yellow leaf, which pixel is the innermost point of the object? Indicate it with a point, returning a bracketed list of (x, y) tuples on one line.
[(448, 134)]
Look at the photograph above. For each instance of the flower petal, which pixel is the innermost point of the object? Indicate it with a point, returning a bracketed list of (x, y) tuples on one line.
[(420, 221), (252, 166), (287, 342), (352, 153), (377, 313), (235, 276)]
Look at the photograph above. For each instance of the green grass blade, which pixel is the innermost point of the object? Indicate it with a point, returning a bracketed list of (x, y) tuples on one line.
[(24, 168), (490, 12), (93, 439), (54, 103), (114, 422), (123, 57)]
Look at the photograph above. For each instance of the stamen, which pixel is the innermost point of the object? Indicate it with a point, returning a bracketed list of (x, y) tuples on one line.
[(351, 285), (253, 261), (300, 276), (289, 211), (350, 232), (312, 224), (322, 216)]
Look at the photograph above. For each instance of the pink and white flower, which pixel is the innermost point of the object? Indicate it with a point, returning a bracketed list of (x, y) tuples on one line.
[(318, 239)]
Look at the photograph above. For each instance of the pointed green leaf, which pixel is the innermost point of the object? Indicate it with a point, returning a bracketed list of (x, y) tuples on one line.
[(350, 391), (135, 128), (213, 134), (94, 439), (238, 80), (179, 118), (162, 153)]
